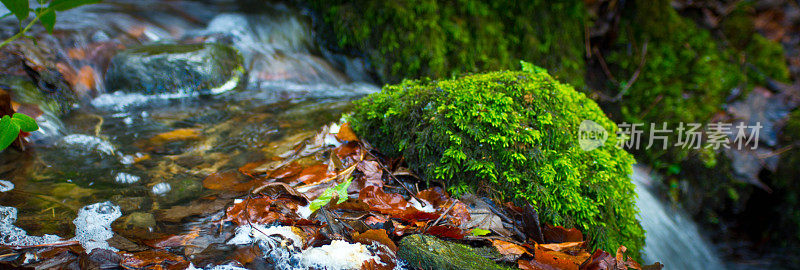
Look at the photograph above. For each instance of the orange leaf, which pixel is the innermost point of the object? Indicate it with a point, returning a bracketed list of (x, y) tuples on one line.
[(377, 236), (387, 203), (182, 134), (508, 248), (346, 133)]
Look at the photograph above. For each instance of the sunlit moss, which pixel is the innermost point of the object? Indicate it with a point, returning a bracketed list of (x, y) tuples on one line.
[(513, 135)]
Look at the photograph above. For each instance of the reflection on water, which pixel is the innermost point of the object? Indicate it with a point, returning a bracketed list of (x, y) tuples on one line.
[(145, 153)]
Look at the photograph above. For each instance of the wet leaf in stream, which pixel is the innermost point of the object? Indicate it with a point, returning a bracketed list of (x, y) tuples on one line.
[(153, 259), (375, 236)]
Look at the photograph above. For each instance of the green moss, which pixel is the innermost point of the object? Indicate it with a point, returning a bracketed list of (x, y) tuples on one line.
[(768, 58), (431, 253), (439, 38), (513, 135), (685, 78)]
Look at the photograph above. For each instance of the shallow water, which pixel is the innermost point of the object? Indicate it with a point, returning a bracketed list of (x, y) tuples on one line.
[(105, 149)]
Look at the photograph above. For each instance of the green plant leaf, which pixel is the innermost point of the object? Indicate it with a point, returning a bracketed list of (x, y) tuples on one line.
[(327, 195), (48, 18), (25, 123), (8, 132), (480, 232), (18, 7), (61, 5)]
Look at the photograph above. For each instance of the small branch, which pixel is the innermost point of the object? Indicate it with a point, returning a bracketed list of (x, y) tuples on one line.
[(22, 32), (440, 216)]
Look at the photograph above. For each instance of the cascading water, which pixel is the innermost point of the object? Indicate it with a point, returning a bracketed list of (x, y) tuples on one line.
[(672, 238)]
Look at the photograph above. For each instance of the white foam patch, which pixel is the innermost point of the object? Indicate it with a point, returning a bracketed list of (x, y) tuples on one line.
[(90, 143), (126, 178), (6, 186), (161, 188), (247, 234), (93, 225), (428, 208), (337, 255), (14, 236)]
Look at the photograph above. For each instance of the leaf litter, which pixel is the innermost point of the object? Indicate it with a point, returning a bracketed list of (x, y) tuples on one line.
[(326, 202)]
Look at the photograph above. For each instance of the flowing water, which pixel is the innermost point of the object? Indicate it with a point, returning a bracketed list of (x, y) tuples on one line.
[(104, 151), (672, 237)]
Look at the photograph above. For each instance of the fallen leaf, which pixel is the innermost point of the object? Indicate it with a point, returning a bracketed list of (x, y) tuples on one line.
[(346, 133), (182, 134), (446, 231), (375, 236), (387, 203), (153, 259), (228, 180), (508, 248), (558, 234)]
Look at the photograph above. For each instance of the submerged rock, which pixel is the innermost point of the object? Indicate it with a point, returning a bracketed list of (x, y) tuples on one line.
[(429, 252), (176, 69)]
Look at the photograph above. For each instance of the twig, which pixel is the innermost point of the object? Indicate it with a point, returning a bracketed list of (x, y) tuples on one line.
[(421, 202), (440, 216), (24, 30), (635, 74)]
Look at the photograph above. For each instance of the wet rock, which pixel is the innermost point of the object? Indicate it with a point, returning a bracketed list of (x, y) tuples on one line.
[(429, 252), (139, 220), (176, 69), (51, 105)]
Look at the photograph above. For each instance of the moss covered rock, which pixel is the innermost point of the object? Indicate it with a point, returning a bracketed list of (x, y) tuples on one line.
[(438, 38), (173, 68), (514, 135), (428, 252)]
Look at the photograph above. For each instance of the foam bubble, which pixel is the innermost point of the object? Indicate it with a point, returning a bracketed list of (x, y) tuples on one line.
[(6, 186), (93, 225), (337, 255), (14, 236), (90, 143), (161, 188), (126, 178)]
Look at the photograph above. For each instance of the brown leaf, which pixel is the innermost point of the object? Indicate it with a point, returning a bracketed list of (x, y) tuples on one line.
[(182, 134), (446, 231), (346, 133), (564, 247), (228, 180), (557, 259), (199, 207), (509, 249), (387, 203), (373, 173), (376, 236), (558, 234), (153, 259), (262, 211)]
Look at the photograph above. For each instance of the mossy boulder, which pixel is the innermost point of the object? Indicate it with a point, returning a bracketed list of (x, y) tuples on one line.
[(514, 135), (428, 252), (438, 38), (176, 69)]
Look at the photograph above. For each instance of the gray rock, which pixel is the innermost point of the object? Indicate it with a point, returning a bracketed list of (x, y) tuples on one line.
[(176, 69)]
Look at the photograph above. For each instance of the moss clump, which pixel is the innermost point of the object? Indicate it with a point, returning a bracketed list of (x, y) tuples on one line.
[(514, 134), (438, 38), (428, 252), (685, 77)]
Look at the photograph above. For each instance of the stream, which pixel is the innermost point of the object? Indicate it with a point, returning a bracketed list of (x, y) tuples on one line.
[(103, 150)]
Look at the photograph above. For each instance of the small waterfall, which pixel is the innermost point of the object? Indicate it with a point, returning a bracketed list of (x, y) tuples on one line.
[(672, 237)]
